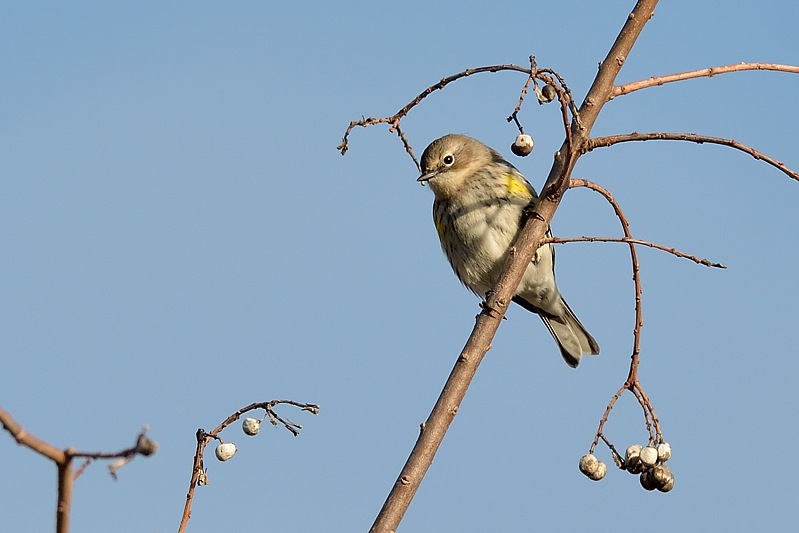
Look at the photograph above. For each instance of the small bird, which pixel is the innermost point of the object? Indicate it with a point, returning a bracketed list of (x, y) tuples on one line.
[(477, 211)]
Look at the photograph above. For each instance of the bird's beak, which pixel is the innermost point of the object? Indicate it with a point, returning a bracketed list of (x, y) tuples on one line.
[(424, 178)]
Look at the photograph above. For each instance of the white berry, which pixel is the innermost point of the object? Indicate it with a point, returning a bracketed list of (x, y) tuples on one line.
[(601, 470), (251, 426), (649, 456), (664, 452), (593, 468), (589, 464), (632, 459), (225, 451), (663, 478), (522, 146), (668, 486)]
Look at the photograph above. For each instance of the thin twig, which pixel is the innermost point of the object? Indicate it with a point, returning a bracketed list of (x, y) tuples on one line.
[(637, 391), (547, 76), (82, 468), (632, 383), (625, 224), (644, 400), (600, 434), (610, 140), (394, 119), (672, 251), (530, 79), (656, 81)]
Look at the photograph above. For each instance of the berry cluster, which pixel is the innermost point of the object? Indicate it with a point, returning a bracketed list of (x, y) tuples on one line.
[(645, 461)]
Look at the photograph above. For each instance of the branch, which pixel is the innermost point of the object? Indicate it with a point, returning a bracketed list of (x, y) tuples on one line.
[(520, 254), (561, 90), (603, 142), (639, 315), (198, 471), (631, 383), (656, 81), (548, 76), (394, 119), (31, 441), (629, 240), (63, 460)]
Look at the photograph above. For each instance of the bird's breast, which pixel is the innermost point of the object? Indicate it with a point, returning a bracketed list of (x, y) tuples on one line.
[(476, 238)]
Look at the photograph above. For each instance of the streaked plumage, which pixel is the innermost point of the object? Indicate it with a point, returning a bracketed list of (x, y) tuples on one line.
[(479, 198)]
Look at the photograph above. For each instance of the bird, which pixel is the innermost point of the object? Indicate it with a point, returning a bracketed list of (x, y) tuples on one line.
[(479, 199)]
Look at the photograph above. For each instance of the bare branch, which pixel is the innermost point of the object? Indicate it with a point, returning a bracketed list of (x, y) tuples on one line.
[(31, 441), (394, 119), (610, 140), (600, 434), (631, 383), (672, 251), (523, 94), (639, 316), (656, 81), (63, 460), (198, 471)]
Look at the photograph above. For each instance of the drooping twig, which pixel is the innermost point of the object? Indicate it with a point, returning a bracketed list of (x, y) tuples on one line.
[(625, 225), (198, 472), (610, 140), (547, 76), (557, 83), (394, 119), (656, 81), (530, 80), (632, 383)]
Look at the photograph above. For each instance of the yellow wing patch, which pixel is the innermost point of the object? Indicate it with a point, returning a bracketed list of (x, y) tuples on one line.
[(517, 187), (440, 230)]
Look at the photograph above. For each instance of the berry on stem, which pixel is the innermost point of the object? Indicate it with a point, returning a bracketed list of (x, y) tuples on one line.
[(522, 146), (251, 426), (225, 451)]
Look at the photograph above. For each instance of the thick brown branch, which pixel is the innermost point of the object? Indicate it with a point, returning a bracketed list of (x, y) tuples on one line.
[(602, 142), (656, 81)]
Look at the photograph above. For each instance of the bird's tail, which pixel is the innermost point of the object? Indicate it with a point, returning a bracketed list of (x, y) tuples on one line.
[(573, 339)]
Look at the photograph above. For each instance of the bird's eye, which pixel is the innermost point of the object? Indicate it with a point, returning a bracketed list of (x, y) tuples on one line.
[(448, 159)]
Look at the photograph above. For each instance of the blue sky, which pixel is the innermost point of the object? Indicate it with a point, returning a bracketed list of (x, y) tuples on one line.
[(181, 238)]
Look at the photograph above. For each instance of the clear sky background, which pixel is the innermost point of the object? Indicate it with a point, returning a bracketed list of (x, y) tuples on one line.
[(181, 238)]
